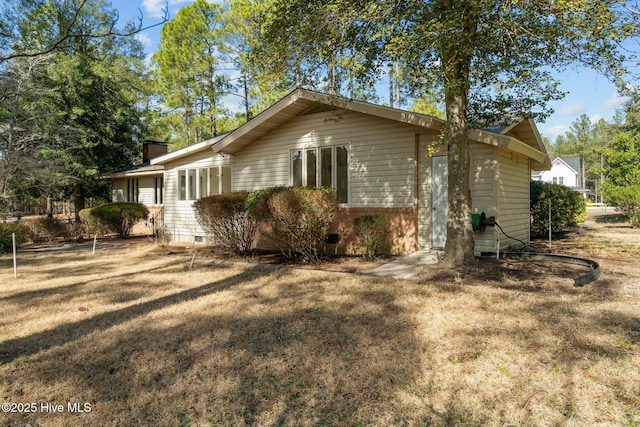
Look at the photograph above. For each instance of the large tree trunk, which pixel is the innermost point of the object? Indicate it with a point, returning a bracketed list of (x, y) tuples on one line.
[(456, 51), (460, 242), (49, 206)]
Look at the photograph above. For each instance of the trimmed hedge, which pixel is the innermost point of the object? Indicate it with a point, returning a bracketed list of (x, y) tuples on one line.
[(117, 218), (568, 207), (225, 217)]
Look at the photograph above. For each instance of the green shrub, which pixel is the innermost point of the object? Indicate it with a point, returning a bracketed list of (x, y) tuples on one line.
[(568, 207), (625, 199), (23, 234), (93, 225), (118, 218), (225, 217), (257, 203), (371, 232), (298, 218)]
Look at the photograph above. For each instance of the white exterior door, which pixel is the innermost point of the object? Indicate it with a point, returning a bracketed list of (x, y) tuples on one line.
[(439, 201)]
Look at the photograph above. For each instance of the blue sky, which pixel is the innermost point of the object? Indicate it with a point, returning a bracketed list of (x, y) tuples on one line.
[(588, 93)]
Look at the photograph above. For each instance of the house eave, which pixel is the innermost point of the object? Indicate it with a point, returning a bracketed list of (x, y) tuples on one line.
[(509, 143), (191, 149), (301, 100), (133, 173)]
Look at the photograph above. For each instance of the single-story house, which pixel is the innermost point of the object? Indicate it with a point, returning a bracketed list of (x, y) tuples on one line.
[(564, 171), (143, 183), (378, 160)]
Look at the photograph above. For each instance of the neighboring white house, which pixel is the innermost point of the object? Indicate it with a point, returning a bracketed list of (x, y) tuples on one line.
[(564, 171), (378, 159)]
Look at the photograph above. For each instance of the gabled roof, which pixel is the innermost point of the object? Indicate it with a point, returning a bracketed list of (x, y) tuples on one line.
[(525, 130), (522, 137), (572, 163), (300, 101)]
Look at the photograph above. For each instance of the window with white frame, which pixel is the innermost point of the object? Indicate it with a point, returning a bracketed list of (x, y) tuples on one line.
[(196, 183), (324, 167)]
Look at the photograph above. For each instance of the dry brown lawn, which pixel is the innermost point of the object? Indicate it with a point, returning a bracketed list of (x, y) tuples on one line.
[(145, 341)]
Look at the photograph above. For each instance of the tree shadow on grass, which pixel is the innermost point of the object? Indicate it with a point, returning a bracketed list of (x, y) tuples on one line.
[(282, 357), (81, 288), (305, 349), (613, 218), (60, 335)]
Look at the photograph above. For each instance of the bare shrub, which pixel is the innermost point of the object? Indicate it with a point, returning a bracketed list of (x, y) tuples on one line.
[(22, 232), (163, 237), (371, 232), (43, 229), (225, 217), (299, 219)]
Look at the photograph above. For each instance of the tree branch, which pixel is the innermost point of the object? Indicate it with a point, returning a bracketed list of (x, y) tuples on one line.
[(68, 35)]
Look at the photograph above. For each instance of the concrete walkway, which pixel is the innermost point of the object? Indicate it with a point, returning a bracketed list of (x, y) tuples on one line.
[(406, 266)]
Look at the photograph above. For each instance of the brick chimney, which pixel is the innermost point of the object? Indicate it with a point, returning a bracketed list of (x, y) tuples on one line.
[(153, 149)]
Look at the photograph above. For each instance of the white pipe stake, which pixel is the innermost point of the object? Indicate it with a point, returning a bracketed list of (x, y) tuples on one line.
[(192, 259), (15, 264), (95, 239), (498, 248)]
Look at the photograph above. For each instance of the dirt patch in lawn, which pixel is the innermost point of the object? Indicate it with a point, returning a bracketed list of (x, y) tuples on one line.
[(143, 340)]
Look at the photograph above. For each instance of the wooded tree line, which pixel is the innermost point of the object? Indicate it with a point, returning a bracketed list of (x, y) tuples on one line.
[(610, 156), (77, 94), (71, 91)]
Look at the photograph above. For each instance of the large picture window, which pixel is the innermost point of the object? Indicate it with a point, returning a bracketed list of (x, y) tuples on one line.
[(325, 167), (195, 184)]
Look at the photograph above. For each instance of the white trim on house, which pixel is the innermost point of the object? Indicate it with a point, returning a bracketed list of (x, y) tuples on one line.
[(147, 171), (509, 143), (325, 172), (191, 149)]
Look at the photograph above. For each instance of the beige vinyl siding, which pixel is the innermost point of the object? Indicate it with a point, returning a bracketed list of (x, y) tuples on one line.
[(146, 188), (119, 190), (179, 215), (513, 197), (381, 156), (484, 183)]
